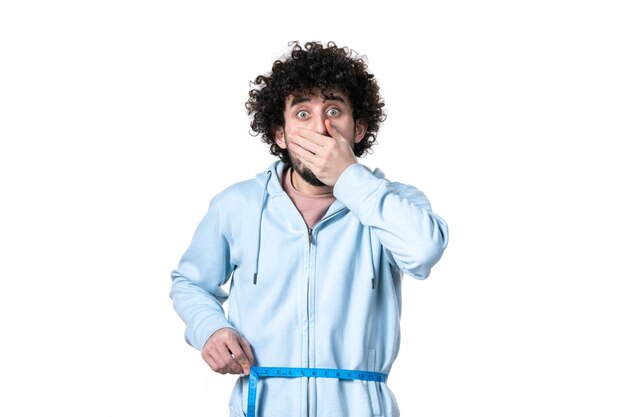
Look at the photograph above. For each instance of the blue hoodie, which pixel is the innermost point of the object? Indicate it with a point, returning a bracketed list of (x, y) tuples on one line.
[(325, 298)]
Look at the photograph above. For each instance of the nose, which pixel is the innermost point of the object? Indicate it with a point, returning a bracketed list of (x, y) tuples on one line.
[(318, 124)]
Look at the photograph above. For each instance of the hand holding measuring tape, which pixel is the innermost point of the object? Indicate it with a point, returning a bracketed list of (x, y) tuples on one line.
[(227, 352)]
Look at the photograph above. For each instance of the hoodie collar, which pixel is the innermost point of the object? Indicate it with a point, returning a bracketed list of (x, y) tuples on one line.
[(270, 180)]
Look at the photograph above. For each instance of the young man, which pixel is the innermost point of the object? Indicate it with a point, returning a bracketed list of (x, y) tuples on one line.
[(313, 248)]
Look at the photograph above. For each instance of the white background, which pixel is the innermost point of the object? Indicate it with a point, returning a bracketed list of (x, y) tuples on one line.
[(120, 119)]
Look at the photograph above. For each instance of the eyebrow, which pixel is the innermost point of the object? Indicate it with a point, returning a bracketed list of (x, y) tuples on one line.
[(305, 99)]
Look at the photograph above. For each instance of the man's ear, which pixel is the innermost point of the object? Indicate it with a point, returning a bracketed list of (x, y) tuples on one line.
[(279, 137), (359, 130)]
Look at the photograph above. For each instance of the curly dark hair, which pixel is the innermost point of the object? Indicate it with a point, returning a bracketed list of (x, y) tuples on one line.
[(309, 69)]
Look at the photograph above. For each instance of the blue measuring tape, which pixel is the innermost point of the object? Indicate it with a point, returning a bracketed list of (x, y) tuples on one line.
[(257, 372)]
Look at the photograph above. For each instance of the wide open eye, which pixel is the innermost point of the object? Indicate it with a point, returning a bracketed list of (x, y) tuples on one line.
[(302, 114), (334, 112)]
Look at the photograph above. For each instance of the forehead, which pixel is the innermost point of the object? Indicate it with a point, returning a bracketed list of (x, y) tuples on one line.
[(307, 96)]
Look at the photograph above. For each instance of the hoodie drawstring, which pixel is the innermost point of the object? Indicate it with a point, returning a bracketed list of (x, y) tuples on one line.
[(372, 273), (258, 240)]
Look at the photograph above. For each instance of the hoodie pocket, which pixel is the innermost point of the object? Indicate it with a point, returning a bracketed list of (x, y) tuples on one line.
[(372, 386)]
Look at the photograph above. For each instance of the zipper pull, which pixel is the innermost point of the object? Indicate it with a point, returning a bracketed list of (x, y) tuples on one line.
[(310, 236)]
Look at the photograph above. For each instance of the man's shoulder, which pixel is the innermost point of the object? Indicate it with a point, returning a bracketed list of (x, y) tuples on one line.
[(244, 192), (239, 192)]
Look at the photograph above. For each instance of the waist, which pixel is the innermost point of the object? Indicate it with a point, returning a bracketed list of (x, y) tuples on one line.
[(258, 372)]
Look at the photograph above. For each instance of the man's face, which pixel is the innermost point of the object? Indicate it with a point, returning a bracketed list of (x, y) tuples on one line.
[(310, 111)]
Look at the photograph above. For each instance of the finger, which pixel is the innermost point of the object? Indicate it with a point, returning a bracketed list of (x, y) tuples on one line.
[(312, 136), (305, 143), (308, 158), (333, 131), (226, 360), (212, 364), (239, 356), (247, 349), (214, 360)]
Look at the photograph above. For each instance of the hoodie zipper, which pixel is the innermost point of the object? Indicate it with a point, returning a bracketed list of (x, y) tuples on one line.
[(308, 316), (309, 300)]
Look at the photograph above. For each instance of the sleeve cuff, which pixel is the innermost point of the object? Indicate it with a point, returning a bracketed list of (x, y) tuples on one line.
[(355, 185), (201, 333)]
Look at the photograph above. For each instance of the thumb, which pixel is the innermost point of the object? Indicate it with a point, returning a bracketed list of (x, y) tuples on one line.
[(247, 349)]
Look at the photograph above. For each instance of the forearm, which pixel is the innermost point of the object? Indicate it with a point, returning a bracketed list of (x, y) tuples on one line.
[(201, 310), (197, 282), (399, 216)]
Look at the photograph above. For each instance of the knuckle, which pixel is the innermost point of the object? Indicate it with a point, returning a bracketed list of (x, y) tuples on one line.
[(222, 369)]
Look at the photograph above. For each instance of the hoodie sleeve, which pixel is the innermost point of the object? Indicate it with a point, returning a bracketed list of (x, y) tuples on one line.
[(399, 215), (196, 283)]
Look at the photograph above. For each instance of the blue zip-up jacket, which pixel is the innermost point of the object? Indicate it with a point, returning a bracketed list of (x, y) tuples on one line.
[(325, 298)]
